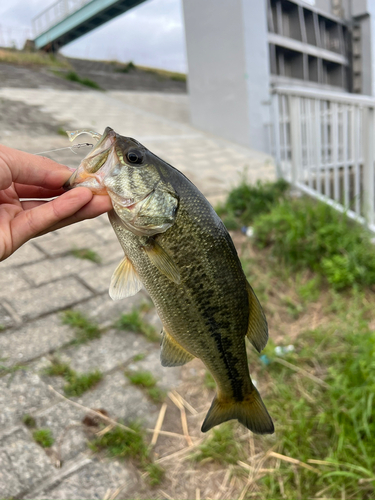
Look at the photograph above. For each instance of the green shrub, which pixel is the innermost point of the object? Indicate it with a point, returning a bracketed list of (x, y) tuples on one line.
[(304, 233), (246, 202)]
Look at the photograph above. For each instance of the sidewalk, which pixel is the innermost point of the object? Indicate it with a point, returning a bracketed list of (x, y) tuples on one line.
[(44, 278)]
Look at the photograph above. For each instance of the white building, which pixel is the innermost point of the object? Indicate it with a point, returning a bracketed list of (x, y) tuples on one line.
[(238, 49)]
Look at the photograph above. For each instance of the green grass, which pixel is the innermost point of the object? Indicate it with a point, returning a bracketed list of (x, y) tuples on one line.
[(246, 202), (2, 328), (304, 234), (333, 421), (220, 446), (119, 443), (5, 370), (85, 329), (72, 76), (139, 357), (135, 323), (43, 437), (156, 474), (77, 383), (80, 383), (22, 57), (209, 381), (87, 254), (29, 421), (148, 382)]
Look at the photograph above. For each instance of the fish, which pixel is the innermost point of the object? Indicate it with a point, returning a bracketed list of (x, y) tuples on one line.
[(178, 249)]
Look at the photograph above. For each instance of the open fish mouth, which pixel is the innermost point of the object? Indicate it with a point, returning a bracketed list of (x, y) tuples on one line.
[(97, 164)]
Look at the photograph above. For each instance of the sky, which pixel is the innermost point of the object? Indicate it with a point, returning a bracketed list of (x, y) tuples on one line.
[(151, 34)]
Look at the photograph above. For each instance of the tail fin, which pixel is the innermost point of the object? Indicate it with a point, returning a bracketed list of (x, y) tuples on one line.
[(250, 412)]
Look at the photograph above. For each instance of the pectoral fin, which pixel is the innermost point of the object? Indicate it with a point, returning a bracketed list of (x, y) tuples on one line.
[(257, 330), (125, 281), (162, 261), (172, 354)]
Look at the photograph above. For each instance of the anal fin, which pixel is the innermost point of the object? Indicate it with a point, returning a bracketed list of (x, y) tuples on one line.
[(125, 281), (257, 330), (172, 354), (162, 261)]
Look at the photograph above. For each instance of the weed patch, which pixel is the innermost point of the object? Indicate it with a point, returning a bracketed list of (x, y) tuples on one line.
[(77, 383), (72, 76), (148, 382), (139, 357), (85, 329), (221, 447), (86, 254), (43, 437), (120, 443), (135, 323), (29, 421)]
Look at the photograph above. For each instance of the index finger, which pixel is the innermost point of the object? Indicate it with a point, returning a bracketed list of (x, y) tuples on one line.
[(25, 168)]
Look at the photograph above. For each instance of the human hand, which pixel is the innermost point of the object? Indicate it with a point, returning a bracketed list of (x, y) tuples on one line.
[(23, 175)]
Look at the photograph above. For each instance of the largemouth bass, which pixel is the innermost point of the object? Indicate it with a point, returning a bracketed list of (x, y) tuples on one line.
[(176, 246)]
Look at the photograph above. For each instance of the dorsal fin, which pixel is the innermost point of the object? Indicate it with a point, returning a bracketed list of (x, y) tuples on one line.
[(257, 330)]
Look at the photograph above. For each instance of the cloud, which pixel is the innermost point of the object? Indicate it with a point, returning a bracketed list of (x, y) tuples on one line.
[(151, 34)]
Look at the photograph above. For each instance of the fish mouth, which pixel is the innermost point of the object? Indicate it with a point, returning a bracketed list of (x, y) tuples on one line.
[(96, 164)]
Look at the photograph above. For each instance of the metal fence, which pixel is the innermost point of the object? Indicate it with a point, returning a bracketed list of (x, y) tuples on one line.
[(324, 144), (55, 13)]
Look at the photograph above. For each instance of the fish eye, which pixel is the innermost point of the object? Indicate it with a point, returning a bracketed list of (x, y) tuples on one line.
[(135, 156)]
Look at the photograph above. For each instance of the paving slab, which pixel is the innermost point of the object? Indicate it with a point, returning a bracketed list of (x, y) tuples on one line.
[(121, 400), (23, 463), (34, 339), (21, 392), (112, 349), (65, 423), (54, 296), (48, 270), (26, 254), (91, 482), (6, 320)]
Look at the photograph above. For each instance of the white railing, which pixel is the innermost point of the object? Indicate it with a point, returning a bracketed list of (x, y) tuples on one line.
[(55, 13), (324, 144)]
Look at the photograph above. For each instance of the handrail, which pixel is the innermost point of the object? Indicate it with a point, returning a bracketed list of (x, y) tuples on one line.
[(343, 97), (55, 13)]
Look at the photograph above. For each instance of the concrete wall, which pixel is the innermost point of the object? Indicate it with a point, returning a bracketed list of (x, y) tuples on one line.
[(227, 52)]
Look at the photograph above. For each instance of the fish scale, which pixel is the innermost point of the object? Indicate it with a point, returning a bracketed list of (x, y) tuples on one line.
[(178, 248)]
